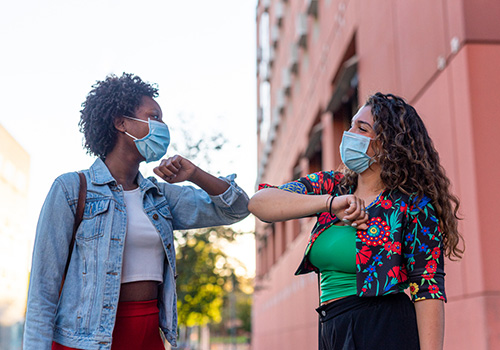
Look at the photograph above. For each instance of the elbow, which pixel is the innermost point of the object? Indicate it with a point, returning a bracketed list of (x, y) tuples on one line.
[(255, 207)]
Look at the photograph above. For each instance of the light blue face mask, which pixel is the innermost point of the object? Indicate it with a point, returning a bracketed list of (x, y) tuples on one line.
[(353, 152), (154, 145)]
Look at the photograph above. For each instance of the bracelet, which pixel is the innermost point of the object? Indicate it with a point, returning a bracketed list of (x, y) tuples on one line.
[(330, 206)]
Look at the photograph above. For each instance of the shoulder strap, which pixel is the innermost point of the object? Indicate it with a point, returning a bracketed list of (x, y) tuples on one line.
[(80, 206), (82, 193)]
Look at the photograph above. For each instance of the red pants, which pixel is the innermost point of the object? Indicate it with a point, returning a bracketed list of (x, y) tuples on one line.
[(136, 327)]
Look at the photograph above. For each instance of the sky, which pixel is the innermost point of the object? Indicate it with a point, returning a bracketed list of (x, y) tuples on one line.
[(200, 53)]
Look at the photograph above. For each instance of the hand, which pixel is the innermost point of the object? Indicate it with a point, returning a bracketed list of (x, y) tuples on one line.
[(175, 169), (351, 210)]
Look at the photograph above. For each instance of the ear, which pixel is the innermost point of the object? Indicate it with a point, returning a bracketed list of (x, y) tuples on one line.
[(377, 149), (119, 123)]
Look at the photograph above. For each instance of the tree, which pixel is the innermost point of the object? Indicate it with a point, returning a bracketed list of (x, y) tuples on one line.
[(244, 312), (203, 272)]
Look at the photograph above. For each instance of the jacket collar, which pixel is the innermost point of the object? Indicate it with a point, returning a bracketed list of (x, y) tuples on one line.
[(100, 175), (147, 183)]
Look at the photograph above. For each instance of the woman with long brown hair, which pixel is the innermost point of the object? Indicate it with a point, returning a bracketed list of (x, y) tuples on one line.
[(384, 224)]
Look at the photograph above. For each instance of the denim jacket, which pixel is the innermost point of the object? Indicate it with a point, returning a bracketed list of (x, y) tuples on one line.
[(84, 315)]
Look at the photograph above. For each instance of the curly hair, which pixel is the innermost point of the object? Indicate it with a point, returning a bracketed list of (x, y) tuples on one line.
[(411, 164), (108, 99)]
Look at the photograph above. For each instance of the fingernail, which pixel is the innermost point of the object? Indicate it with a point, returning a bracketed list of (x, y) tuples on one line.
[(354, 224)]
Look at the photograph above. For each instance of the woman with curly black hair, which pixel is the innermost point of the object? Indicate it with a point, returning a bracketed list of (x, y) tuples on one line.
[(119, 288), (384, 224)]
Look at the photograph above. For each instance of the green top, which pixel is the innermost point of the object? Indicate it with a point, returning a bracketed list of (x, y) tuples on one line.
[(334, 254)]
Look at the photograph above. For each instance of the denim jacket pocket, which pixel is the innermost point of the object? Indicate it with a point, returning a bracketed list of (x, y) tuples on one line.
[(164, 211), (92, 225)]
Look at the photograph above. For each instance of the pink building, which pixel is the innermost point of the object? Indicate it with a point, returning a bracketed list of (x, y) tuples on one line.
[(317, 62)]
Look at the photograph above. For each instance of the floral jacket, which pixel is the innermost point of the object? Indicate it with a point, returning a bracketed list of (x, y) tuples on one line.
[(401, 248)]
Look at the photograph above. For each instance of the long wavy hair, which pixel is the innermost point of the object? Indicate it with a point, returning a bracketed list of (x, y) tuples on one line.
[(411, 164)]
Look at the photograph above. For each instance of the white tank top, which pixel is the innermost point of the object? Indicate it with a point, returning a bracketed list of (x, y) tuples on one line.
[(143, 254)]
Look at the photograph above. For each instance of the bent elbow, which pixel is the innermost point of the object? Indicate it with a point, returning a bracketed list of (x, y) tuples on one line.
[(253, 206)]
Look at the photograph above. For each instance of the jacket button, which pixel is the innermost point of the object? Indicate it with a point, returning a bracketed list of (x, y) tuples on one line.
[(323, 313), (168, 246), (155, 216)]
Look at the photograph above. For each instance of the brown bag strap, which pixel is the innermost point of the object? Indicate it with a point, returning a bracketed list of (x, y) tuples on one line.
[(80, 206)]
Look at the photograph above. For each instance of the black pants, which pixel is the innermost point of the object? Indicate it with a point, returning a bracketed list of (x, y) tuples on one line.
[(366, 323)]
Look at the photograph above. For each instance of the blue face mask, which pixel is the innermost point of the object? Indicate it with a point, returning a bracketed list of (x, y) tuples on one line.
[(154, 145), (353, 152)]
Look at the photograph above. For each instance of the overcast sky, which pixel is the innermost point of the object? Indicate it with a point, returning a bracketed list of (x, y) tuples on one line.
[(201, 54)]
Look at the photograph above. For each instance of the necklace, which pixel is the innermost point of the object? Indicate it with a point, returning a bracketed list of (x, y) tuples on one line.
[(374, 201)]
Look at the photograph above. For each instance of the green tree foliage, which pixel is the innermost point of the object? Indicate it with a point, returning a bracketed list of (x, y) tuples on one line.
[(205, 276), (244, 313), (239, 318), (203, 272)]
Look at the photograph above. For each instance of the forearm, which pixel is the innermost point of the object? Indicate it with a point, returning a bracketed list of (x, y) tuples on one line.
[(50, 253), (45, 280), (430, 321), (273, 204), (209, 183), (38, 329)]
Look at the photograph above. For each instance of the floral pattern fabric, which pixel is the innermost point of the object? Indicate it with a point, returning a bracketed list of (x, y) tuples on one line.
[(401, 248)]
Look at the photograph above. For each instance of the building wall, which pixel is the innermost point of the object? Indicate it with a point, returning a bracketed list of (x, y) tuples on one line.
[(442, 56), (14, 174)]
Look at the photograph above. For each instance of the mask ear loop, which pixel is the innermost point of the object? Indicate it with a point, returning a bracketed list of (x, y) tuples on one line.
[(135, 138), (378, 154), (139, 120)]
